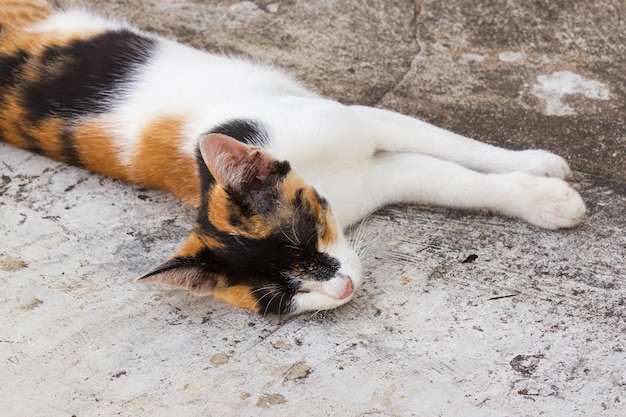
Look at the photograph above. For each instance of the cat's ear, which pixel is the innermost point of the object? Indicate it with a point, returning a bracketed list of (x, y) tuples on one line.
[(240, 167), (182, 272), (185, 269)]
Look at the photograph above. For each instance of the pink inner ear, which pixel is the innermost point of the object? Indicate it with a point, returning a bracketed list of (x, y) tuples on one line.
[(234, 163), (214, 146), (265, 167)]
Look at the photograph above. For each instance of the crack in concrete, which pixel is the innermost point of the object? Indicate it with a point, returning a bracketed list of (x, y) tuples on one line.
[(401, 79), (418, 51)]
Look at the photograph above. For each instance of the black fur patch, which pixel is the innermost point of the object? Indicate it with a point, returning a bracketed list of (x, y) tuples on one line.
[(69, 150), (10, 66), (235, 220), (77, 78), (206, 178), (246, 131)]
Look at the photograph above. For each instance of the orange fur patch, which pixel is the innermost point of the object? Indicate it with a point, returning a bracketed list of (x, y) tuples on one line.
[(195, 243), (291, 184), (329, 235), (95, 145), (221, 211), (160, 162), (11, 116), (328, 229), (238, 295)]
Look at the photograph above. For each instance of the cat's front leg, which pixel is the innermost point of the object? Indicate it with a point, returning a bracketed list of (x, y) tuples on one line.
[(415, 178)]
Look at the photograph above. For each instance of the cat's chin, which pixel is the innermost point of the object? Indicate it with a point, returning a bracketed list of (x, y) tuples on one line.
[(315, 301)]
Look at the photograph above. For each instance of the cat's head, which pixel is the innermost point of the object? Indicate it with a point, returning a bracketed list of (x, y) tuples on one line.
[(264, 239)]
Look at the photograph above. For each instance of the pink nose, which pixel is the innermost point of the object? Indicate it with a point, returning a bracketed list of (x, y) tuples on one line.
[(349, 289)]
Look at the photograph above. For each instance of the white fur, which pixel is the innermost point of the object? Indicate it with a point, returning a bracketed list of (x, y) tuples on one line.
[(358, 158), (78, 21)]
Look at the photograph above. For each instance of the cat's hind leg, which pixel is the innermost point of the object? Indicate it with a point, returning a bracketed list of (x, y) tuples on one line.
[(394, 132), (394, 177)]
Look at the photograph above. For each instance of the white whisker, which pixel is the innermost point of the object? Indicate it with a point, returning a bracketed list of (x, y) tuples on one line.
[(310, 237), (362, 251), (293, 223), (295, 243), (268, 288), (362, 237), (280, 303), (268, 305)]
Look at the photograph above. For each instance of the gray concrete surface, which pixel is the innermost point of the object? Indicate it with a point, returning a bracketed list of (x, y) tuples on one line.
[(534, 325)]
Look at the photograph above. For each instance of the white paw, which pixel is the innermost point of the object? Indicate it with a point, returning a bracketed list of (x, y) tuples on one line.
[(548, 202), (542, 163)]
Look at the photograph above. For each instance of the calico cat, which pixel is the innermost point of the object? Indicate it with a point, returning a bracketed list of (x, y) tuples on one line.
[(275, 170)]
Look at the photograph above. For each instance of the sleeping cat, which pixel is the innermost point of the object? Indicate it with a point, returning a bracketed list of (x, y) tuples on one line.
[(275, 170)]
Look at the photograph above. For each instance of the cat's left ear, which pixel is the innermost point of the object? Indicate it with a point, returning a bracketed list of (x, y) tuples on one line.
[(184, 269), (240, 167)]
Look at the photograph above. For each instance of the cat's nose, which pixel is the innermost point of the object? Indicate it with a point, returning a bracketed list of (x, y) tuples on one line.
[(349, 287)]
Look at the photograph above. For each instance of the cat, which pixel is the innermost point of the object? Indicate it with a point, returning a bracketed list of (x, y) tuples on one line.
[(276, 171)]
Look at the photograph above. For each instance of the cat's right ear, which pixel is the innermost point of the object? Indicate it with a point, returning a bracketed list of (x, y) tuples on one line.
[(185, 269)]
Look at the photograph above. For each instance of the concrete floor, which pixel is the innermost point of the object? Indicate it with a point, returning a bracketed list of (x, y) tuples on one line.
[(460, 314)]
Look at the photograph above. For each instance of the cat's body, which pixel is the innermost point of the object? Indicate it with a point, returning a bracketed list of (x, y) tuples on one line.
[(272, 201)]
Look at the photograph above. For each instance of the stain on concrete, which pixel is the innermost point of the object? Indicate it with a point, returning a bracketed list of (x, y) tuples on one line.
[(269, 400), (32, 305), (511, 56), (11, 264), (470, 259), (5, 180), (526, 364), (279, 344), (298, 370), (554, 88), (219, 359), (118, 375)]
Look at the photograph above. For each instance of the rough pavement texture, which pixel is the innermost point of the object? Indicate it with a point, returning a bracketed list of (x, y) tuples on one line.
[(460, 314)]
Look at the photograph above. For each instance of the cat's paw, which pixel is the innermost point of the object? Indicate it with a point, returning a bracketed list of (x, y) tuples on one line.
[(542, 163), (548, 202)]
